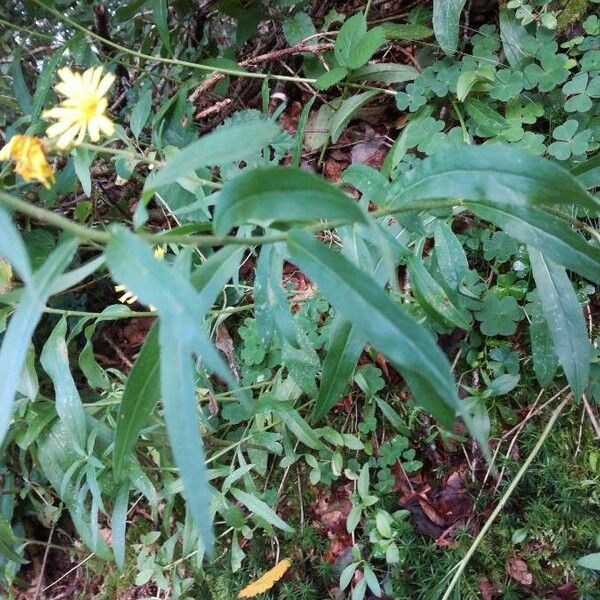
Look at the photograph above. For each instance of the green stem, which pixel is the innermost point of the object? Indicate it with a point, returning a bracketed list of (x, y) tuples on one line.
[(507, 494), (461, 120), (170, 61), (41, 214)]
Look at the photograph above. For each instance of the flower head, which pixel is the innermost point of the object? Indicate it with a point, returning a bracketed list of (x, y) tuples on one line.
[(83, 109), (29, 155)]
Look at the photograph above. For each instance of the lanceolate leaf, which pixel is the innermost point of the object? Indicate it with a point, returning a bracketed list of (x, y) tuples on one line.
[(358, 298), (446, 21), (260, 509), (433, 298), (344, 350), (181, 316), (20, 329), (565, 319), (55, 361), (551, 236), (139, 398), (278, 195), (492, 174), (225, 145), (143, 384), (12, 247), (271, 303), (346, 112), (181, 417)]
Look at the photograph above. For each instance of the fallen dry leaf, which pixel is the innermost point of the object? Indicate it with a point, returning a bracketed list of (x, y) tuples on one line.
[(267, 581), (488, 590), (517, 570)]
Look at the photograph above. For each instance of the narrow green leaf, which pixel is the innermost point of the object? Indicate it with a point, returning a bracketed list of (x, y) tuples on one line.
[(55, 361), (550, 235), (17, 337), (19, 86), (161, 19), (300, 428), (433, 298), (407, 32), (143, 384), (490, 121), (347, 111), (300, 133), (267, 195), (42, 86), (450, 255), (259, 508), (408, 346), (344, 350), (82, 162), (494, 174), (225, 145), (565, 319), (7, 540), (139, 399), (181, 418), (385, 72), (272, 308), (446, 22), (119, 525), (140, 113), (13, 249)]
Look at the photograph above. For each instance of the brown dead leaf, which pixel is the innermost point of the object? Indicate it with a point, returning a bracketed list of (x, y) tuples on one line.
[(224, 343), (516, 569), (488, 590)]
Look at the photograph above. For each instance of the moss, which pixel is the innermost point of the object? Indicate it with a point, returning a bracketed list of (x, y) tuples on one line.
[(571, 12)]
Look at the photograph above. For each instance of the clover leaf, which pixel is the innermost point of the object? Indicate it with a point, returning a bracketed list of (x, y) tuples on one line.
[(413, 98), (590, 62), (500, 247), (499, 315), (581, 91), (507, 85), (532, 142), (568, 141)]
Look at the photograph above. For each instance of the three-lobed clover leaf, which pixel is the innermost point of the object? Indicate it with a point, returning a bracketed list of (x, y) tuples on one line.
[(532, 142), (499, 315), (590, 62), (569, 143), (500, 247), (506, 85), (413, 98), (581, 91)]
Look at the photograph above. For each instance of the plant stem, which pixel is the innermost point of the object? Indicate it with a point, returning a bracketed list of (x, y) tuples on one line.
[(41, 214), (507, 494)]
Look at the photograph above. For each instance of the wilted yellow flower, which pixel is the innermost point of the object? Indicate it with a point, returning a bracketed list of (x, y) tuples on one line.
[(267, 581), (83, 109), (129, 297), (29, 155)]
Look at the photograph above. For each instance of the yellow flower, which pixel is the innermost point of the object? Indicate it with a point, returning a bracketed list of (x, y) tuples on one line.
[(29, 156), (267, 581), (83, 109), (129, 297)]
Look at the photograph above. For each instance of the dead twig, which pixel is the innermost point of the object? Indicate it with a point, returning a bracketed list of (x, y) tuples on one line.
[(211, 81)]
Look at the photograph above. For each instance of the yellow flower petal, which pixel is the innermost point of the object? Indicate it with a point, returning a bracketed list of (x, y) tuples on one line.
[(29, 155), (83, 109), (267, 581)]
